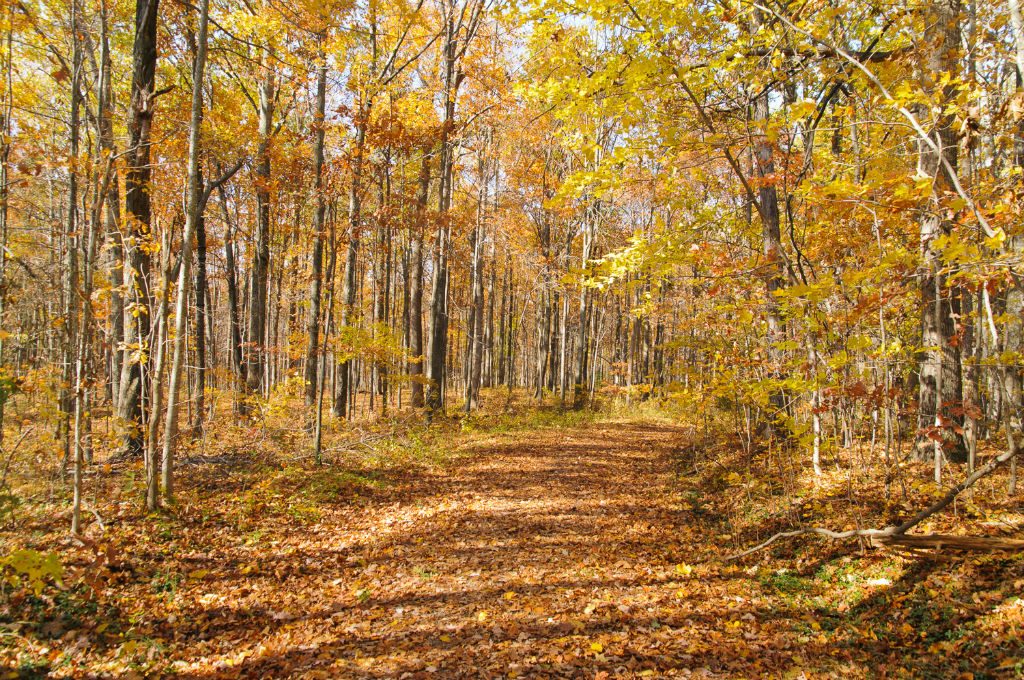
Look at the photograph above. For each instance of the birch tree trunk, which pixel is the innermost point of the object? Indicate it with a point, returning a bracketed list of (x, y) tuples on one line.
[(193, 213)]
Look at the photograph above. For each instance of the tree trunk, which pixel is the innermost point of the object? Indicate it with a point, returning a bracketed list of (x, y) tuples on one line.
[(316, 267), (202, 314), (193, 214), (502, 328), (138, 227), (416, 286), (583, 339), (941, 386), (323, 358), (71, 240), (439, 285), (474, 328), (235, 356), (5, 156), (259, 276), (151, 463), (768, 199), (349, 289), (112, 213), (74, 356)]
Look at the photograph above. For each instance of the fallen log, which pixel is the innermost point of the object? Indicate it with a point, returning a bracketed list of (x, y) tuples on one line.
[(947, 541), (896, 535)]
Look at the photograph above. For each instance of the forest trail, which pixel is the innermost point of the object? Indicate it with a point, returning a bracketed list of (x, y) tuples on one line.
[(591, 551), (553, 556)]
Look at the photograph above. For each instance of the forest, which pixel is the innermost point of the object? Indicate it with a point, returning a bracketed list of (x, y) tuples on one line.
[(498, 338)]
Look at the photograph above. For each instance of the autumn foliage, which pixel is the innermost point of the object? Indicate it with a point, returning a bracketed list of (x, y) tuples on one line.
[(621, 338)]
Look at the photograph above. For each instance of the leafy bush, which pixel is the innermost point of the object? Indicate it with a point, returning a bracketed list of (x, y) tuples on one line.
[(31, 569)]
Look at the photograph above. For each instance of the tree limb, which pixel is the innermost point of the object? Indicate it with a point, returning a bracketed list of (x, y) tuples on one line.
[(897, 534)]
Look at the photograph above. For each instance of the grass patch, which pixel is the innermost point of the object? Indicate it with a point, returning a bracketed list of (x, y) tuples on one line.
[(785, 582), (538, 418)]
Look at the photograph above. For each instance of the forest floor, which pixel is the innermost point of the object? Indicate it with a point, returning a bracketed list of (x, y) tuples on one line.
[(586, 548)]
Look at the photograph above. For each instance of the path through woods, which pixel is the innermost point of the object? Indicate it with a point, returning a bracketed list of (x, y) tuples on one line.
[(555, 555), (577, 552), (591, 549)]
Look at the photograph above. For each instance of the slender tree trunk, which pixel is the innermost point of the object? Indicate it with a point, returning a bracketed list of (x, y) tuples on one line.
[(543, 339), (202, 314), (256, 360), (502, 329), (511, 329), (382, 277), (318, 426), (583, 339), (193, 214), (439, 286), (768, 199), (416, 286), (492, 284), (72, 396), (313, 322), (474, 327), (235, 355), (151, 462), (349, 289), (112, 214), (5, 155)]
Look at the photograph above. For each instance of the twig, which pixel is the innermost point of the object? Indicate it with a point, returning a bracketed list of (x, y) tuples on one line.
[(10, 456), (99, 520)]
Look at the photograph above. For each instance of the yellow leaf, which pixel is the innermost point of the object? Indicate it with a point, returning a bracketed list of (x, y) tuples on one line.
[(198, 573), (596, 647), (481, 616), (684, 569)]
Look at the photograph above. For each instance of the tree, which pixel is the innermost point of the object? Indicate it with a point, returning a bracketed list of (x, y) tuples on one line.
[(195, 204), (319, 212), (138, 213), (461, 22), (941, 386)]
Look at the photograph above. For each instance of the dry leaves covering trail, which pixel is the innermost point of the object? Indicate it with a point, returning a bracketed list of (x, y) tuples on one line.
[(581, 552), (552, 556)]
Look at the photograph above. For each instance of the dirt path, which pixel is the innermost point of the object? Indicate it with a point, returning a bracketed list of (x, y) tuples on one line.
[(553, 557), (574, 553)]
